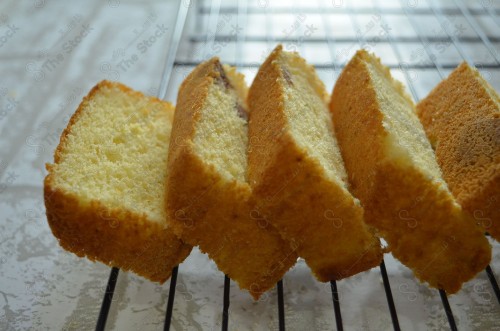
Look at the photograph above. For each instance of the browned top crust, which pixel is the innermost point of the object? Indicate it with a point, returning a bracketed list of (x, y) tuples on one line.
[(461, 117)]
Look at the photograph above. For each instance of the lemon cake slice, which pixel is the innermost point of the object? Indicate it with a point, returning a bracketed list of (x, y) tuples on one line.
[(209, 200), (393, 171), (104, 194), (461, 117), (297, 172)]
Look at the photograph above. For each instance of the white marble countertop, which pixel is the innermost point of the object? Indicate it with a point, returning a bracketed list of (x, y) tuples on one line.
[(52, 53)]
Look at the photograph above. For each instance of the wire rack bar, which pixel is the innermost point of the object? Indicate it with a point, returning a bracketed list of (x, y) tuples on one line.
[(390, 300), (171, 297), (281, 306), (329, 39), (225, 304), (107, 299), (172, 50), (198, 24), (492, 13), (340, 66), (360, 38), (424, 40), (444, 23), (336, 305), (228, 38), (213, 21), (397, 53), (447, 309), (340, 10), (240, 37), (493, 281), (270, 38), (297, 32), (477, 29)]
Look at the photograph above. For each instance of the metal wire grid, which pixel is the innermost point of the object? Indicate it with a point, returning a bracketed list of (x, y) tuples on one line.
[(243, 11)]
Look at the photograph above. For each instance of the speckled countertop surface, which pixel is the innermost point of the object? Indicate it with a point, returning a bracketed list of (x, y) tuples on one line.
[(52, 53)]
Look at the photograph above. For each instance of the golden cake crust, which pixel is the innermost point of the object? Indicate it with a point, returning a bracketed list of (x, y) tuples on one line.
[(424, 227), (116, 237), (317, 216), (461, 117), (213, 212)]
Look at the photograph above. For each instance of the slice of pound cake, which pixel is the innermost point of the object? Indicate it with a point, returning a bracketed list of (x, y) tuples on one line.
[(209, 200), (105, 194), (297, 172), (393, 171), (461, 117)]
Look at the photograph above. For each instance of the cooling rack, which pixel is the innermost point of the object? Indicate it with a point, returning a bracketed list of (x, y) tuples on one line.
[(420, 41)]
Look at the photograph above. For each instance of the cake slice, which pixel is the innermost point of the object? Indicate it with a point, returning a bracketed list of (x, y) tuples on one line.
[(393, 171), (461, 117), (209, 200), (297, 172), (105, 194)]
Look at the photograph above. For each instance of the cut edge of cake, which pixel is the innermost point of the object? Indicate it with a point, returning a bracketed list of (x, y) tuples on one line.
[(115, 236)]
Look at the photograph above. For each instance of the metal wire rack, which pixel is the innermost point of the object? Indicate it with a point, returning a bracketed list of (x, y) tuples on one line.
[(198, 35)]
